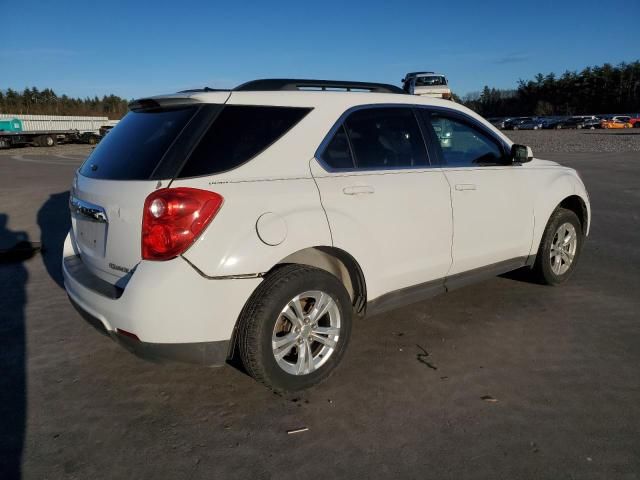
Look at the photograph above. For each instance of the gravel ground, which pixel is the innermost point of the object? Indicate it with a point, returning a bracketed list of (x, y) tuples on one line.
[(579, 141), (71, 150)]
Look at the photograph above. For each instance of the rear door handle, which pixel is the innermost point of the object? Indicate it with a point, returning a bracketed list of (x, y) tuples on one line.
[(358, 190), (465, 186)]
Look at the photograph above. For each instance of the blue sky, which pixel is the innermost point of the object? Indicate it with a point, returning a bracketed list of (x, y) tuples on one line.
[(140, 48)]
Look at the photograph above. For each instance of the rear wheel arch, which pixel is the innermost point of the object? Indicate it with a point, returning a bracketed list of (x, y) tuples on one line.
[(334, 260), (337, 262)]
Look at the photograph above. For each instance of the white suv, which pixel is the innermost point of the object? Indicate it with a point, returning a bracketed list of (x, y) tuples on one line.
[(257, 223)]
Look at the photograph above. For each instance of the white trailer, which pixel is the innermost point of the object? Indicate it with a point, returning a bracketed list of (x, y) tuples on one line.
[(48, 130)]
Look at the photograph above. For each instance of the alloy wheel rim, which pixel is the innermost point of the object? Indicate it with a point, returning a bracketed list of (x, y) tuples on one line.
[(563, 248), (306, 332)]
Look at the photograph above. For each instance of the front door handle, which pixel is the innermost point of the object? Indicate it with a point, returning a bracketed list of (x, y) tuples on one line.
[(465, 186), (358, 190)]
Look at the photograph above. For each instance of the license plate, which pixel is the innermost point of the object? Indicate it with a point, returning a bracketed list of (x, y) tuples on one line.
[(91, 236)]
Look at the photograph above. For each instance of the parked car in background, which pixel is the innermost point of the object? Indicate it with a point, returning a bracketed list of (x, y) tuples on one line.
[(499, 122), (533, 124), (619, 121), (514, 123), (427, 84), (591, 123), (573, 122), (552, 123), (635, 121), (267, 227)]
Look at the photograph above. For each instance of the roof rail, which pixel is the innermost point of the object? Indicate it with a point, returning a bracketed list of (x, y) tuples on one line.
[(279, 84)]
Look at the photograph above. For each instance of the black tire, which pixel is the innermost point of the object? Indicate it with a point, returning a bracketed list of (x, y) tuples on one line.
[(46, 141), (262, 311), (542, 271)]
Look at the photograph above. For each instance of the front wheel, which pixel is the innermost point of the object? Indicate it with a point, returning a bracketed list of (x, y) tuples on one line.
[(559, 248), (295, 328)]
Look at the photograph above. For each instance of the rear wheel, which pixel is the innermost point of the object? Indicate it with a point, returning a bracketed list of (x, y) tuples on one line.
[(559, 248), (295, 328)]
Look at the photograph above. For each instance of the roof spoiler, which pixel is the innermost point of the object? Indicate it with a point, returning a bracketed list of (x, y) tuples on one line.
[(156, 103)]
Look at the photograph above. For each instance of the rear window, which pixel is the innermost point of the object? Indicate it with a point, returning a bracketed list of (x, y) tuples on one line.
[(188, 141), (238, 134), (430, 81), (133, 149)]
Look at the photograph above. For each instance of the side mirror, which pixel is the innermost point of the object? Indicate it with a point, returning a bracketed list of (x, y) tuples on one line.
[(521, 153)]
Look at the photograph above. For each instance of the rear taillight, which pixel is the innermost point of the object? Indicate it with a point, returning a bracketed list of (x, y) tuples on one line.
[(173, 218)]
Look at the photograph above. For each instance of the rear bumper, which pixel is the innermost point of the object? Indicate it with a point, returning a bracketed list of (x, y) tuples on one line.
[(174, 312), (202, 353)]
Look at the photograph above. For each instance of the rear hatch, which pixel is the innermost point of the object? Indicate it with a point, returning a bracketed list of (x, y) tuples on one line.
[(142, 153)]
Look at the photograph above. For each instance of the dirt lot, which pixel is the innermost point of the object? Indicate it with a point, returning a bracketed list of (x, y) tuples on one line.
[(561, 365)]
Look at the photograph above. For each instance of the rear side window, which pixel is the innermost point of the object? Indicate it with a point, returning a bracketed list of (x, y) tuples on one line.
[(337, 154), (133, 149), (237, 135), (386, 137)]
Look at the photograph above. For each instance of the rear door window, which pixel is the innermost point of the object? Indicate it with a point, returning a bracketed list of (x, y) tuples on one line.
[(134, 148), (237, 135), (386, 138)]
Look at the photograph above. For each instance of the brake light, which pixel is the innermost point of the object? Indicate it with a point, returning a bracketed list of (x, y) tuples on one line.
[(173, 218)]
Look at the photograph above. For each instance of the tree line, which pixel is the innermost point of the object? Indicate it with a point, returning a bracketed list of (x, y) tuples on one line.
[(46, 102), (594, 90), (599, 89)]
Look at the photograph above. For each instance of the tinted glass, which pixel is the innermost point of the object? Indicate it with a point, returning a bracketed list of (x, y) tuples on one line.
[(386, 138), (238, 134), (133, 149), (463, 145), (337, 153)]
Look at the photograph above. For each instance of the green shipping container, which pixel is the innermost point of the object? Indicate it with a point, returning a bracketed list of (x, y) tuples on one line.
[(10, 125)]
